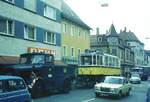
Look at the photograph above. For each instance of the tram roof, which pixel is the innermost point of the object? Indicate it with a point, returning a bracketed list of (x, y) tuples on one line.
[(96, 53)]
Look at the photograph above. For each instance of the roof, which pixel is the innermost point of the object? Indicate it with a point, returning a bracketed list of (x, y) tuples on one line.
[(112, 31), (128, 36), (72, 16), (5, 77)]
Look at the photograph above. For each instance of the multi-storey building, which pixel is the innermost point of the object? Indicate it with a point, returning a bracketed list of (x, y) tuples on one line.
[(28, 26), (147, 58), (136, 46), (111, 43), (75, 36)]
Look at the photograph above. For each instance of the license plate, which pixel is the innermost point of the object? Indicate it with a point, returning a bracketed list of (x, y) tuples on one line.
[(104, 94)]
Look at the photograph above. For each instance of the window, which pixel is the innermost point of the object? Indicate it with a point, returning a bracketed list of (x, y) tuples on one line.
[(86, 60), (50, 38), (30, 5), (72, 31), (37, 59), (64, 50), (72, 52), (13, 85), (64, 28), (79, 51), (85, 35), (99, 60), (99, 39), (6, 27), (106, 60), (128, 44), (50, 12), (30, 32), (114, 52), (1, 87), (49, 59), (10, 1), (127, 55), (79, 32)]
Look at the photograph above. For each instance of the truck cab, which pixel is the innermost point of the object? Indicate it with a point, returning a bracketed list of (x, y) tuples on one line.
[(41, 73)]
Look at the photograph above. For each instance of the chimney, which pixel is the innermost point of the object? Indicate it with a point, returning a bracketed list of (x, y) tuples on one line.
[(129, 31), (125, 29), (107, 31), (97, 31), (120, 31)]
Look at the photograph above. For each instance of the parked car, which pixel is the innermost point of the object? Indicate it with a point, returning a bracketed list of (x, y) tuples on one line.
[(135, 78), (13, 89), (113, 86)]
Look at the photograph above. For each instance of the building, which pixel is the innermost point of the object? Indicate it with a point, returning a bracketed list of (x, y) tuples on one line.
[(75, 36), (147, 58), (111, 43), (29, 26), (136, 46)]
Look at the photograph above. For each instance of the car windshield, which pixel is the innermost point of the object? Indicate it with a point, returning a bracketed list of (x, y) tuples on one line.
[(112, 80), (135, 75)]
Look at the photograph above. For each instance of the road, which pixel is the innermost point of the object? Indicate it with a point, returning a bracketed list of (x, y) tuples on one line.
[(138, 94)]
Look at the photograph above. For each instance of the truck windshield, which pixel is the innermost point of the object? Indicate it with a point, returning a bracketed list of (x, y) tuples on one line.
[(32, 59)]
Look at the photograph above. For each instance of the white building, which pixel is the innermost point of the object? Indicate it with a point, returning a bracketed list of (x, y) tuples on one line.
[(136, 45)]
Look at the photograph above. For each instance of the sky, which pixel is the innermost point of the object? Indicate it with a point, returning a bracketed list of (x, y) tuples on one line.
[(132, 14)]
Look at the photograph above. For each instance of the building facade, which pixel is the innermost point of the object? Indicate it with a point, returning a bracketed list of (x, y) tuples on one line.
[(30, 26), (147, 58), (112, 44), (136, 46), (75, 36)]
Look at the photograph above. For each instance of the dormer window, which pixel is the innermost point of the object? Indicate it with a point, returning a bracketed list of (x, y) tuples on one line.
[(99, 39)]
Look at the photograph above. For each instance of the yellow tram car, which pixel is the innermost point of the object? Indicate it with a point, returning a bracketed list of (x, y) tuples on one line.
[(95, 65)]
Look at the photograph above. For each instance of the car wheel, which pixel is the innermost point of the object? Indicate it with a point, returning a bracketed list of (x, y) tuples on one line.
[(128, 93), (119, 95), (96, 95)]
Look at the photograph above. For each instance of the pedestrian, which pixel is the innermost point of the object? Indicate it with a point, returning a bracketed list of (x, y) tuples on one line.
[(148, 95)]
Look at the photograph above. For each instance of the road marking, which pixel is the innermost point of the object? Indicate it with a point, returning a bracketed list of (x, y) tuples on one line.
[(88, 100)]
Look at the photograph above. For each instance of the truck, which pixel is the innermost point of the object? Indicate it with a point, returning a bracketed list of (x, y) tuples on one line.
[(42, 74), (142, 71)]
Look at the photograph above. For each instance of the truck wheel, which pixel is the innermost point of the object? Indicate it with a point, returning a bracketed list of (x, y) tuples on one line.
[(66, 87), (96, 94)]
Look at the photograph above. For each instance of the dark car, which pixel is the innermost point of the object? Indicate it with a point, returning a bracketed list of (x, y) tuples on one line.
[(13, 89)]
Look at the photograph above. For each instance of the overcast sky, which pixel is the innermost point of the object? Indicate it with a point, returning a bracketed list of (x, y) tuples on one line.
[(133, 14)]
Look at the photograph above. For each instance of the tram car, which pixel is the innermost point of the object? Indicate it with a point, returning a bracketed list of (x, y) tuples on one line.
[(94, 66)]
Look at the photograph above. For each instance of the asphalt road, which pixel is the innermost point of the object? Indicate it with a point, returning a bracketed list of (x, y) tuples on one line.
[(138, 94)]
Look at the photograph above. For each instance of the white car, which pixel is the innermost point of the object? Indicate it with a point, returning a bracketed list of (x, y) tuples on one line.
[(135, 78), (113, 86)]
